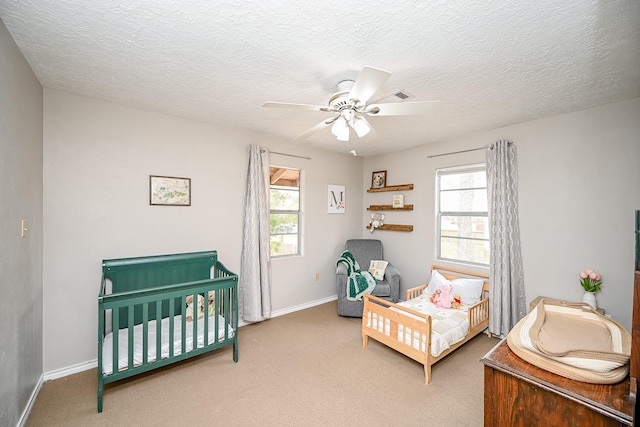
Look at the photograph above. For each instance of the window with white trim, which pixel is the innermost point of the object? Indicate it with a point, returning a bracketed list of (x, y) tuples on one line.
[(462, 215), (284, 210)]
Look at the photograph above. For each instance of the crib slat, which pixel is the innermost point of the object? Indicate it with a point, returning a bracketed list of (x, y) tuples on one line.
[(158, 330), (130, 337), (205, 337), (227, 305), (216, 311), (171, 327), (183, 329), (145, 333), (115, 321), (196, 316)]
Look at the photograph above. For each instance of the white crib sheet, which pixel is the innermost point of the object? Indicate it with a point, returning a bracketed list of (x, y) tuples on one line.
[(448, 326), (123, 355)]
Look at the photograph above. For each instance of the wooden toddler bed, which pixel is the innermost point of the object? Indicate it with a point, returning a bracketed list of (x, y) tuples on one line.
[(409, 327), (145, 301)]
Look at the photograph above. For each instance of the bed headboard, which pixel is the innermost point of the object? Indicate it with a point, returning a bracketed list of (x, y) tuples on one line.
[(130, 274), (451, 273), (133, 274)]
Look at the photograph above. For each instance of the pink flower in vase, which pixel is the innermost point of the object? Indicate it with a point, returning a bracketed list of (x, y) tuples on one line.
[(591, 281)]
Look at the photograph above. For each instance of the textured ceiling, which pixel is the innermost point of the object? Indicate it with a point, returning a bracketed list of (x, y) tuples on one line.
[(490, 63)]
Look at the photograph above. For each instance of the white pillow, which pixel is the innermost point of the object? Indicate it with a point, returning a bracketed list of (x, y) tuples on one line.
[(435, 282), (470, 290), (377, 268)]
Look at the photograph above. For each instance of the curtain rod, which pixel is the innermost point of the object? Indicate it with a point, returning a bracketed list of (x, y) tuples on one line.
[(455, 152), (289, 155), (509, 143)]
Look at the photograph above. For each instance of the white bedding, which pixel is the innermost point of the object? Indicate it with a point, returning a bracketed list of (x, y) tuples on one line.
[(448, 326), (123, 354)]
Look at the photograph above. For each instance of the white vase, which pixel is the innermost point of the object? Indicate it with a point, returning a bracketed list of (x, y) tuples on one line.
[(590, 298)]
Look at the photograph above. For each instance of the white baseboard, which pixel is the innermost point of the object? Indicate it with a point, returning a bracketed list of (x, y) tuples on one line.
[(69, 370), (32, 400), (303, 306), (84, 366)]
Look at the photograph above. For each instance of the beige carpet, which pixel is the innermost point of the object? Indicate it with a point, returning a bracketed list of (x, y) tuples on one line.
[(303, 369)]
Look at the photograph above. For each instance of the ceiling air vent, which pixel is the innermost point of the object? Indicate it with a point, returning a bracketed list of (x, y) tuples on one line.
[(402, 95)]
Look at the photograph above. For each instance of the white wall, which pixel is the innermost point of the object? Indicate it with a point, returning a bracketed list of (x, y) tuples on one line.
[(21, 257), (579, 185), (578, 190), (97, 160)]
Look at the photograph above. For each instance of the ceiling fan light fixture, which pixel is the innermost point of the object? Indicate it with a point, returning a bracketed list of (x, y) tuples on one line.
[(360, 126), (340, 129)]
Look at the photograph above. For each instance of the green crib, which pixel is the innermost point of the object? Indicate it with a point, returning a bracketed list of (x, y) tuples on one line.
[(145, 320)]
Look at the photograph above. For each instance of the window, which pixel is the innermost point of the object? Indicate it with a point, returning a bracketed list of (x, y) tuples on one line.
[(284, 211), (462, 214)]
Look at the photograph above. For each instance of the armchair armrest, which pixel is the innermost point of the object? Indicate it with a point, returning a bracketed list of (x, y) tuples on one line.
[(392, 276), (341, 279)]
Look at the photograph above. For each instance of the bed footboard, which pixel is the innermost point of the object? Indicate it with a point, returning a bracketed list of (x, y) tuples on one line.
[(405, 330)]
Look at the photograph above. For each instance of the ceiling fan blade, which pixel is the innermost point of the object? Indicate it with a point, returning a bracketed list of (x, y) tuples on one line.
[(368, 82), (295, 106), (317, 128), (402, 108)]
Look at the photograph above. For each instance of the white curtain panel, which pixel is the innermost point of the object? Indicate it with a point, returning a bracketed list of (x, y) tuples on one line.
[(254, 283), (507, 296)]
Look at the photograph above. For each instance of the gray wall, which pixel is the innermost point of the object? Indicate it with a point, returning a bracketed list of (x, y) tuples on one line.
[(579, 185), (21, 258)]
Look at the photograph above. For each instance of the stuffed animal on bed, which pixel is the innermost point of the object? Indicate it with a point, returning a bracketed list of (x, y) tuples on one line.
[(434, 296), (212, 303), (457, 301), (189, 313), (442, 297)]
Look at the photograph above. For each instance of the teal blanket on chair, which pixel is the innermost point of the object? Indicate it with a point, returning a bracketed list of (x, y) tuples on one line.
[(358, 282)]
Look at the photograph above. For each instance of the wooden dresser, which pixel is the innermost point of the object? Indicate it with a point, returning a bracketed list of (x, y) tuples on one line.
[(517, 393), (634, 366)]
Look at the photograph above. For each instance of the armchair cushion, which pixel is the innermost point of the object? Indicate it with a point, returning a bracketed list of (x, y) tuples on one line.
[(377, 268)]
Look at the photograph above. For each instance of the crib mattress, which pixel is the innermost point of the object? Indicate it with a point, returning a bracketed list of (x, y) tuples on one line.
[(123, 354), (448, 326)]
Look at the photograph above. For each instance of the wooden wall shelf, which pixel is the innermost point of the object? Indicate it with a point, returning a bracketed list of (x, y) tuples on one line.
[(391, 188), (389, 208), (394, 227)]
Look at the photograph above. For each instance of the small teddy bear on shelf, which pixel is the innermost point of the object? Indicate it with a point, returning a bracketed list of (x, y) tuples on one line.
[(377, 220)]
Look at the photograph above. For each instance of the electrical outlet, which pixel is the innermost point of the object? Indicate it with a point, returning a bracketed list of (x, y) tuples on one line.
[(317, 276)]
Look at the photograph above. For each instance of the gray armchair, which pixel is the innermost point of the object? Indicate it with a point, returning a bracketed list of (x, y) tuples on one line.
[(364, 250)]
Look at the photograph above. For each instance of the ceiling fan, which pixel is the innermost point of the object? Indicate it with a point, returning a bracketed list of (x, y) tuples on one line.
[(350, 106)]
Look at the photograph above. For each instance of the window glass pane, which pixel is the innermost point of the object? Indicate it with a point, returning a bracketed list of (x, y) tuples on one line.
[(463, 224), (284, 206), (475, 227), (476, 251), (456, 181), (287, 200), (463, 201), (284, 244), (284, 223)]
